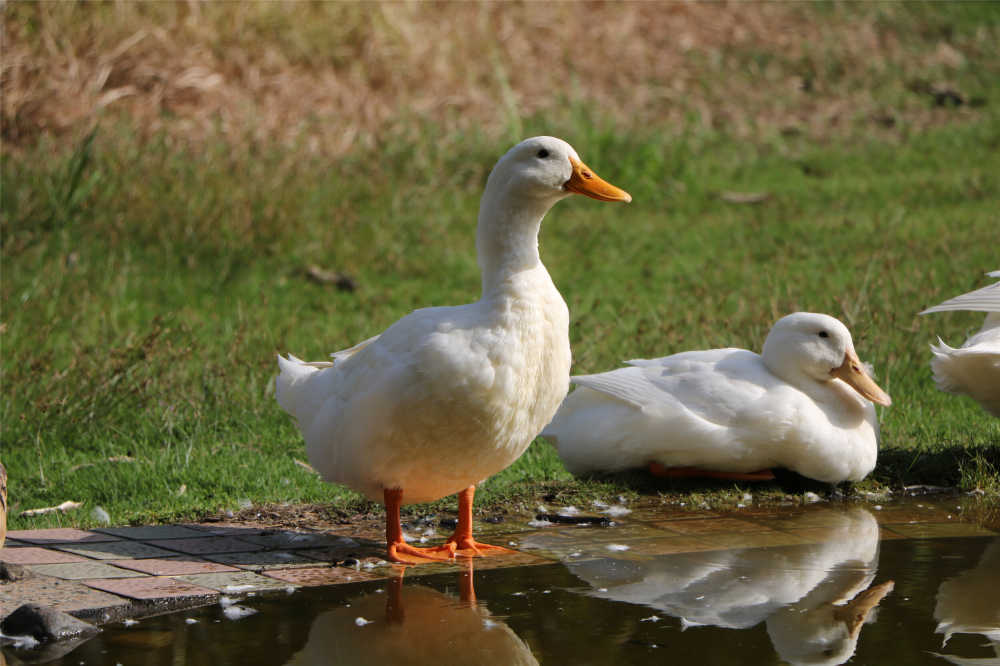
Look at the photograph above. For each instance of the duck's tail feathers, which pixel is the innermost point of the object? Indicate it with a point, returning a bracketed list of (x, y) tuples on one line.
[(290, 388)]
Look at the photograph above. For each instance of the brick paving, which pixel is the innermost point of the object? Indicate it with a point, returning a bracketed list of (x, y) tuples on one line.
[(111, 573)]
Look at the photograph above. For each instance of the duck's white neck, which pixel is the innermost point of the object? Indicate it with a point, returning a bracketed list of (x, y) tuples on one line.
[(786, 363), (794, 375), (507, 236)]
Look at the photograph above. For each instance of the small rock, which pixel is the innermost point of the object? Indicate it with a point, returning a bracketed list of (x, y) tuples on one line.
[(552, 518), (10, 573), (45, 624)]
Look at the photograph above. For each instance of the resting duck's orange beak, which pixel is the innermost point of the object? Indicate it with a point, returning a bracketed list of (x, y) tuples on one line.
[(852, 372)]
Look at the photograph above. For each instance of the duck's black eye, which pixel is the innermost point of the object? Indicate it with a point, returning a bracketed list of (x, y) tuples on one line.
[(824, 334), (543, 153)]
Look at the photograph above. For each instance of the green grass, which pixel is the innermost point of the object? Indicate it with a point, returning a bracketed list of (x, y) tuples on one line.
[(146, 292), (146, 289)]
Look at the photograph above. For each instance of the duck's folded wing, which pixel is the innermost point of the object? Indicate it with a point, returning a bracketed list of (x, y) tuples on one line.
[(713, 385), (630, 385), (695, 408)]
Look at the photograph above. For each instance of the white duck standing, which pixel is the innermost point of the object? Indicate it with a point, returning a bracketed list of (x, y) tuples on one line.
[(974, 368), (803, 404), (447, 396)]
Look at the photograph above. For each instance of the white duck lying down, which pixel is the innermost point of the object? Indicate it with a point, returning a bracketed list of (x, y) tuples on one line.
[(447, 396), (802, 405), (974, 368)]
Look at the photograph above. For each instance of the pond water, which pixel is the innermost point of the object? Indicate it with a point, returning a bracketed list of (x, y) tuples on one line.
[(848, 594)]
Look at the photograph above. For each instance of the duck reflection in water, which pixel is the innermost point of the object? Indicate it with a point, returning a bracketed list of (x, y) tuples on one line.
[(414, 625), (814, 598), (965, 606)]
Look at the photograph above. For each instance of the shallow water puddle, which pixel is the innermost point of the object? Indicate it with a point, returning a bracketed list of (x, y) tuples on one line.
[(823, 586)]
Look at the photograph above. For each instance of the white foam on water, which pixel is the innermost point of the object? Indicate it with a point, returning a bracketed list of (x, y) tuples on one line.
[(237, 612)]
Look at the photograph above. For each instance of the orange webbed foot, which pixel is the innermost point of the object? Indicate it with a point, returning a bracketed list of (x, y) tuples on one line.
[(656, 469), (469, 547), (403, 553)]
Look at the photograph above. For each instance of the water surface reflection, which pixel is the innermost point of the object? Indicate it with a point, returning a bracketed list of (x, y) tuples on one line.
[(810, 600), (814, 598), (413, 624), (970, 604)]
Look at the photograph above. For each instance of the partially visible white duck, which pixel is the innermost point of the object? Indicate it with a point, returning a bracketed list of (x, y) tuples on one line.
[(447, 396), (803, 405), (974, 368), (962, 608)]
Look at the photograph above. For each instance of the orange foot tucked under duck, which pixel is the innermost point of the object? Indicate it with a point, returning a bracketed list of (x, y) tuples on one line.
[(656, 469)]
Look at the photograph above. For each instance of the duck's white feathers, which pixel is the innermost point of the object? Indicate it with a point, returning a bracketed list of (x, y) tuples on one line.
[(447, 396), (974, 368), (442, 399), (720, 409)]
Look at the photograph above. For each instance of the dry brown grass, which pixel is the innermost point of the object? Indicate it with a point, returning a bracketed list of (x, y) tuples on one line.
[(343, 74)]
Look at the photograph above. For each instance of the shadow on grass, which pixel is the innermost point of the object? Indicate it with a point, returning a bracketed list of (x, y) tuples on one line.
[(952, 466), (958, 466)]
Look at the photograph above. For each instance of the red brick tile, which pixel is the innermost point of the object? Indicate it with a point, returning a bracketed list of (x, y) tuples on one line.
[(146, 532), (270, 559), (150, 588), (66, 595), (293, 540), (60, 535), (207, 544), (321, 576), (82, 570), (114, 550), (173, 566), (36, 555), (233, 582)]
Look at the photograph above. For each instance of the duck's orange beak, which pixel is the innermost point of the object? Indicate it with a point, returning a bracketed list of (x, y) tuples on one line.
[(852, 372), (584, 181)]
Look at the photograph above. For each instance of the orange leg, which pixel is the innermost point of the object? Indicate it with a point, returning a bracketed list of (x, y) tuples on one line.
[(656, 469), (462, 537), (399, 550), (466, 586), (394, 612)]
